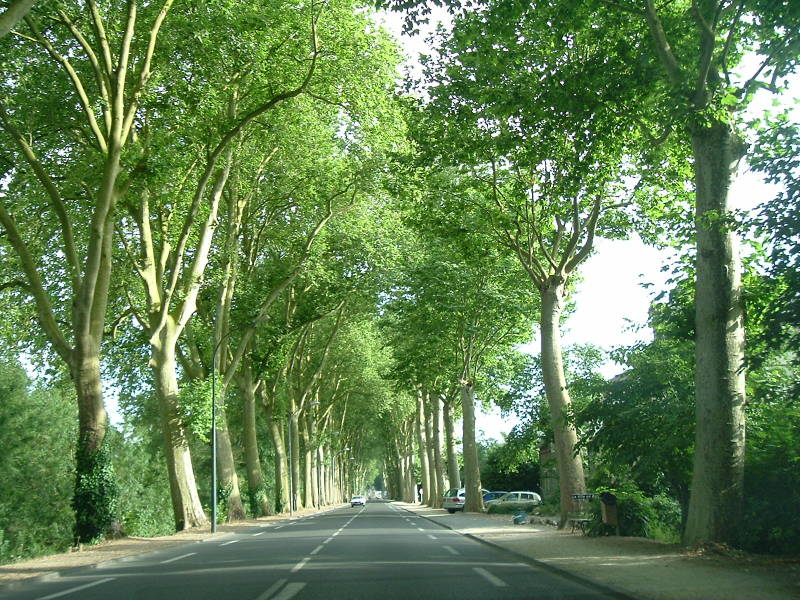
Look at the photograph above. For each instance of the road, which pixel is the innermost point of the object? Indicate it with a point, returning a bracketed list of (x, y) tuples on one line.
[(379, 551)]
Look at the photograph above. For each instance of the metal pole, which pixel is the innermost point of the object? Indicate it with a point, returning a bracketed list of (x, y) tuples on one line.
[(214, 442)]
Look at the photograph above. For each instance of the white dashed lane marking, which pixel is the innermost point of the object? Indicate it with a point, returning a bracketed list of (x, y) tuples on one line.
[(494, 580), (169, 560), (76, 589)]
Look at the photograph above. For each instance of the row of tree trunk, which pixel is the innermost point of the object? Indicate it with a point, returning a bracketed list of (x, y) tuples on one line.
[(425, 444)]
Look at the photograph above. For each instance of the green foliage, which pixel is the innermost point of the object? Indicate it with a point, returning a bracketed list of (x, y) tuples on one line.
[(96, 493), (511, 466), (195, 398), (776, 154), (144, 504), (37, 426), (771, 521)]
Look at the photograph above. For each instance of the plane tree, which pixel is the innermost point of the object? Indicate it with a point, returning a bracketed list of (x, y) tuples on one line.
[(515, 110), (703, 86), (67, 149), (463, 299)]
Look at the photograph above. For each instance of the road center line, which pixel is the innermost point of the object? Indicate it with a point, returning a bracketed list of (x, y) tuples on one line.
[(77, 589), (229, 543), (451, 550), (301, 564), (496, 581), (169, 560)]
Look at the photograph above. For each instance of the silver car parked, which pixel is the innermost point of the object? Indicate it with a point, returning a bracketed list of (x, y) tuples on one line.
[(523, 499)]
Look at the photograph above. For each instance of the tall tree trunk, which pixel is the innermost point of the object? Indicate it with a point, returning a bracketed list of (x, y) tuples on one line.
[(410, 494), (437, 451), (94, 491), (186, 506), (321, 477), (281, 462), (308, 464), (255, 476), (570, 466), (435, 491), (294, 453), (715, 503), (472, 472), (453, 474), (419, 428), (402, 475), (228, 478)]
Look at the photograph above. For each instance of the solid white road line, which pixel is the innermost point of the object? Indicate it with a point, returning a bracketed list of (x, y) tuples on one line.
[(290, 591), (169, 560), (489, 577), (301, 564), (229, 543), (451, 550), (272, 589), (77, 589)]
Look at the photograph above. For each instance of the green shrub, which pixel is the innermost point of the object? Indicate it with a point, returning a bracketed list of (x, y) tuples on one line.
[(145, 505), (638, 516), (771, 522)]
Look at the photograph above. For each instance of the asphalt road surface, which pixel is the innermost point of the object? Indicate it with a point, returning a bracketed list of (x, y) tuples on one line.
[(379, 552)]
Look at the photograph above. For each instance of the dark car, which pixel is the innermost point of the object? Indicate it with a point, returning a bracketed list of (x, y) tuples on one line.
[(493, 495)]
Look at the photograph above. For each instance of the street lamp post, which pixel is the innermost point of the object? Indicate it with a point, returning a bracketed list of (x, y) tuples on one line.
[(291, 467), (214, 440)]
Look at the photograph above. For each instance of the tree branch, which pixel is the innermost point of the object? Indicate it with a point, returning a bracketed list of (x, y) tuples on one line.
[(76, 83), (43, 307), (14, 14), (663, 49), (53, 194)]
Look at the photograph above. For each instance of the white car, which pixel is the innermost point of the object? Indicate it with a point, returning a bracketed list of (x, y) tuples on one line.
[(454, 499), (357, 501)]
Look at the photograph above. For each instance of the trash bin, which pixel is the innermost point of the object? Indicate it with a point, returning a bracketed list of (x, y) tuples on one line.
[(520, 517), (608, 509)]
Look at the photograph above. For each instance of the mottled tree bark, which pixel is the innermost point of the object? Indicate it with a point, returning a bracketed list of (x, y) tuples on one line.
[(570, 467), (472, 472), (715, 503), (437, 451), (419, 429), (453, 472)]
